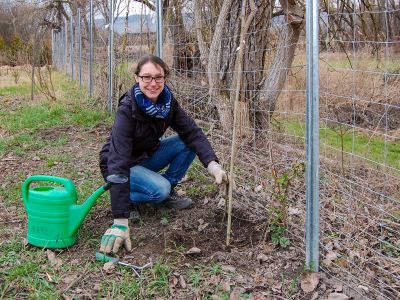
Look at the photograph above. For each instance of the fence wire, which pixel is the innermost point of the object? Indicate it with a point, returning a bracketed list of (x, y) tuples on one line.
[(359, 114)]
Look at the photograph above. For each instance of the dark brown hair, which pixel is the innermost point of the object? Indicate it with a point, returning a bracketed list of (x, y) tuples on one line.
[(153, 59)]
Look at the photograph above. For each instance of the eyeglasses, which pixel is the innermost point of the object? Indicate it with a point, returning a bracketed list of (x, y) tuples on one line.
[(148, 79)]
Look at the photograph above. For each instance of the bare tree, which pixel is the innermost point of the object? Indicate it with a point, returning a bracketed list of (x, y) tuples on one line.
[(221, 58)]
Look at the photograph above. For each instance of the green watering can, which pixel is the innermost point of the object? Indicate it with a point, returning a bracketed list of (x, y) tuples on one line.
[(53, 215)]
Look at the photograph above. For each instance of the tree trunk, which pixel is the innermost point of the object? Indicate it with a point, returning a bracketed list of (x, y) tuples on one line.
[(220, 99), (198, 19), (273, 84)]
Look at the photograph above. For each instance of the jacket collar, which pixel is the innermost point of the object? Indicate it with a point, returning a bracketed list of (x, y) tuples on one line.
[(136, 112)]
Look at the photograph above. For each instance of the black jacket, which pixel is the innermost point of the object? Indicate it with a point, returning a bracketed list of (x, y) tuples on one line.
[(135, 136)]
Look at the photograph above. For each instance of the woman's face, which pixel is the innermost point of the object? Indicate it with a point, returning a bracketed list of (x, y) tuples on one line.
[(151, 80)]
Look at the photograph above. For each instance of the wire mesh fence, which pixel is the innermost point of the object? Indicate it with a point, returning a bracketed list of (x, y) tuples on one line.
[(359, 113)]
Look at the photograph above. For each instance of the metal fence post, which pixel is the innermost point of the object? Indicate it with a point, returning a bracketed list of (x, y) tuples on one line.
[(80, 47), (110, 57), (312, 117), (64, 43), (65, 46), (71, 53), (52, 48), (91, 49), (159, 28), (59, 49)]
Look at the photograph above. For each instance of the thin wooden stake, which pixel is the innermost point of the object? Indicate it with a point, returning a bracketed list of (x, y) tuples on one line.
[(239, 70)]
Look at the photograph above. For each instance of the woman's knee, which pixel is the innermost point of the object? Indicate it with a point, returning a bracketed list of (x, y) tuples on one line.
[(162, 191), (151, 186)]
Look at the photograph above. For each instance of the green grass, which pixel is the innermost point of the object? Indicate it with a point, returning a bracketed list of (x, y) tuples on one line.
[(33, 117), (24, 123), (125, 288), (390, 65), (23, 273), (374, 149), (15, 90), (11, 192), (158, 280)]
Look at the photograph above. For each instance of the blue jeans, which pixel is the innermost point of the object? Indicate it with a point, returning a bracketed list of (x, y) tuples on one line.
[(148, 186)]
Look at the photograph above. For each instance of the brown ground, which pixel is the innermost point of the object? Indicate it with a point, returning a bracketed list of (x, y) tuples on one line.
[(252, 264)]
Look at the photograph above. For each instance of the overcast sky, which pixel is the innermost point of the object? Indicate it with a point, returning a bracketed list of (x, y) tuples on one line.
[(134, 8)]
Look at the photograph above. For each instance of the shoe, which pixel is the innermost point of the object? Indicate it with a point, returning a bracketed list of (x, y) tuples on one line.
[(134, 215), (177, 202)]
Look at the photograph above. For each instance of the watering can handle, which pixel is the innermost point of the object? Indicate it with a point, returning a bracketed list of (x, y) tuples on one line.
[(67, 183)]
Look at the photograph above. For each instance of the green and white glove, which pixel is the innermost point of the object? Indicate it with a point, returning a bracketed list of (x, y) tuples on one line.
[(215, 170), (117, 234)]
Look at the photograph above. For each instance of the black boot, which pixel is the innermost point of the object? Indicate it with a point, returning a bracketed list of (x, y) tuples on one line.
[(134, 215), (176, 201)]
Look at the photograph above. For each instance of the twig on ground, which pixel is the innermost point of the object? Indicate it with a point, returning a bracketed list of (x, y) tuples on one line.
[(76, 279)]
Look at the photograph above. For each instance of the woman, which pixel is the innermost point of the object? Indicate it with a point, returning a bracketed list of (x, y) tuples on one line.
[(135, 149)]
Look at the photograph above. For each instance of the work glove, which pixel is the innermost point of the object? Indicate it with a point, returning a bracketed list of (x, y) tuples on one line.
[(215, 170), (117, 234)]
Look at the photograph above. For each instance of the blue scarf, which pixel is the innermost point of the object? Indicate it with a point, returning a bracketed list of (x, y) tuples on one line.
[(160, 109)]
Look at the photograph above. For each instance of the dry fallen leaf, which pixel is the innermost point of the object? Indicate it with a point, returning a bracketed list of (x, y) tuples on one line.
[(309, 281), (54, 261), (338, 287), (277, 288), (181, 192), (226, 286), (202, 227), (364, 288), (214, 279), (182, 282), (235, 294), (221, 203), (193, 250), (258, 188), (337, 296), (69, 278), (342, 262), (173, 281), (329, 257), (227, 268), (262, 258), (294, 211), (108, 266)]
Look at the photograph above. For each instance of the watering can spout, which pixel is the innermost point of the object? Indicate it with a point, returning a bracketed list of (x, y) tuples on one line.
[(78, 213)]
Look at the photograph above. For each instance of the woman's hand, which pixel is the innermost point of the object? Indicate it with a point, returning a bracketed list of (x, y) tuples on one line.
[(216, 170), (117, 234)]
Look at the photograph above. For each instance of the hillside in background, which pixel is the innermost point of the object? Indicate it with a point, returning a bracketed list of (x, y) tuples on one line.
[(136, 24)]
